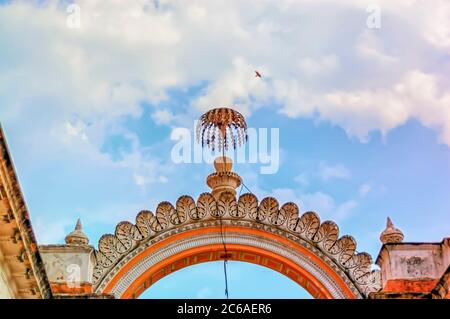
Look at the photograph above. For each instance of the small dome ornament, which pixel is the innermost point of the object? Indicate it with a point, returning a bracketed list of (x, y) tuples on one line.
[(391, 235), (77, 237)]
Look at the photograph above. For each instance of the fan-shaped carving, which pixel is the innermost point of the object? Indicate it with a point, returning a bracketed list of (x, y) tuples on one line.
[(206, 206), (163, 213), (143, 223), (97, 273), (128, 234), (111, 247), (102, 260), (293, 221), (248, 204), (370, 282), (310, 224), (268, 206), (362, 262), (327, 235), (290, 209), (280, 216), (226, 205), (185, 208), (295, 225), (344, 249)]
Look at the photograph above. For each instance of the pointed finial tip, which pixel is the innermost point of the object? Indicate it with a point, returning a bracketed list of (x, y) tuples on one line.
[(78, 225), (389, 222), (77, 237)]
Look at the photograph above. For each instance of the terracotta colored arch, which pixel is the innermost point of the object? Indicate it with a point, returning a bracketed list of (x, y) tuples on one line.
[(235, 253), (137, 282), (308, 251)]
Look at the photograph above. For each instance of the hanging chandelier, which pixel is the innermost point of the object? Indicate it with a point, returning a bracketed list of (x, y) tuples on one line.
[(222, 128)]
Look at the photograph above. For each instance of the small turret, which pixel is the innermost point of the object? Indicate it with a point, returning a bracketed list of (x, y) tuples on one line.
[(391, 234), (77, 237)]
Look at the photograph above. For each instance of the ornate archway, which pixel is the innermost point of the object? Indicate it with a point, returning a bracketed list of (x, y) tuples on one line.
[(221, 226), (300, 247)]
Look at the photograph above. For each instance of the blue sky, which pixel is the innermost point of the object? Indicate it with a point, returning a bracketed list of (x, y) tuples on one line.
[(363, 113)]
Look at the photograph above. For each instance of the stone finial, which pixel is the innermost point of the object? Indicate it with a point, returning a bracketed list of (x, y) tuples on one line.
[(391, 234), (223, 180), (77, 237)]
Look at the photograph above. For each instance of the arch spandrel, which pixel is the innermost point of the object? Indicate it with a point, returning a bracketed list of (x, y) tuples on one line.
[(313, 248)]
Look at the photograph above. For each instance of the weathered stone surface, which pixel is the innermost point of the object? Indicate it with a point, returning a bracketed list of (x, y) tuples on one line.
[(413, 267)]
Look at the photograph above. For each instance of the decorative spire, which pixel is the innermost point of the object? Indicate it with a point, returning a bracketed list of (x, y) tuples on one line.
[(391, 234), (77, 237), (223, 179), (78, 225), (220, 129)]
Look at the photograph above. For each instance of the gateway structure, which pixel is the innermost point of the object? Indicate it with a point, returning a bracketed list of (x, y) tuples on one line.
[(215, 226)]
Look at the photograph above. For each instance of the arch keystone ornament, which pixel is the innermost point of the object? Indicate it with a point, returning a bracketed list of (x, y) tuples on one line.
[(219, 225)]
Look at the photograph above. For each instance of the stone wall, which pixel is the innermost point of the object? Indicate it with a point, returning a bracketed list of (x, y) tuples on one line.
[(415, 270), (69, 268)]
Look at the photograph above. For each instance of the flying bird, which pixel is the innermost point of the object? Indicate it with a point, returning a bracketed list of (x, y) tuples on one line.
[(257, 74)]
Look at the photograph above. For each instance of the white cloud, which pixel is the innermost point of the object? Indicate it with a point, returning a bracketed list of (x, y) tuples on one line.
[(438, 32), (344, 210), (162, 116), (364, 189), (326, 206), (431, 21), (54, 232), (76, 130), (321, 203), (236, 87), (140, 180), (146, 170), (302, 180), (163, 179), (416, 96), (284, 195), (333, 171), (128, 53), (369, 46), (320, 65)]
